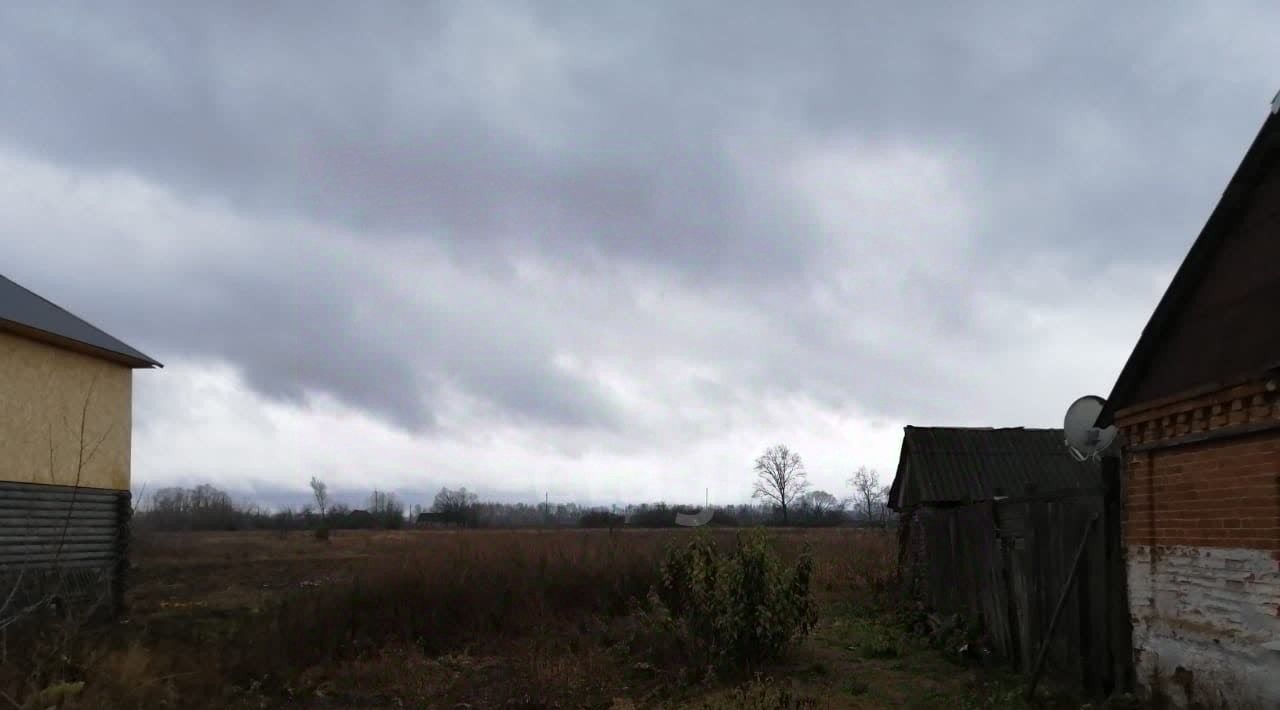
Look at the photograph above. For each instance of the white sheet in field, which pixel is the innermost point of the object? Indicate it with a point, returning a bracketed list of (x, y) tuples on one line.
[(702, 517)]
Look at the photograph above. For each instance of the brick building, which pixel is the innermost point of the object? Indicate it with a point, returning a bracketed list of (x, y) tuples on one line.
[(1199, 409)]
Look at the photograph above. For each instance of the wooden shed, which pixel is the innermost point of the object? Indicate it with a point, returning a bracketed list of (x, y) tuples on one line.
[(65, 449), (1005, 528)]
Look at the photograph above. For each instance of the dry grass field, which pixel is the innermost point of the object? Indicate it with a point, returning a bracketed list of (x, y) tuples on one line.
[(472, 619)]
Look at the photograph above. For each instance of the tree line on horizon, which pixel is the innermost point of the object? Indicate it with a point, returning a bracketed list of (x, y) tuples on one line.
[(781, 489)]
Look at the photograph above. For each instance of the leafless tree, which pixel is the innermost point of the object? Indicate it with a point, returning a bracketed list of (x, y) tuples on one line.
[(382, 501), (869, 498), (387, 508), (780, 477), (321, 493), (820, 502), (458, 506)]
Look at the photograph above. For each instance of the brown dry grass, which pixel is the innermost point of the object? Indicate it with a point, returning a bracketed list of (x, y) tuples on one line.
[(412, 619)]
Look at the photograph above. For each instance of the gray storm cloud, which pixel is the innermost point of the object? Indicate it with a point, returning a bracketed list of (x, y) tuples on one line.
[(539, 210)]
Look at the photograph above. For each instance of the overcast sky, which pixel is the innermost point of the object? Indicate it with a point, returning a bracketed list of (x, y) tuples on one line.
[(609, 254)]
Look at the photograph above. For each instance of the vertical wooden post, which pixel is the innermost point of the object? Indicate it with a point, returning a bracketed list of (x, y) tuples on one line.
[(1119, 627)]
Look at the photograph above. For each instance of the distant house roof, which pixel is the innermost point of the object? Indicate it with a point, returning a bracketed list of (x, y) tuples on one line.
[(25, 313), (1230, 334), (959, 465)]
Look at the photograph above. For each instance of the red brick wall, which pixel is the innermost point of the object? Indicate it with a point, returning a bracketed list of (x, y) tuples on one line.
[(1202, 546), (1204, 471), (1223, 493)]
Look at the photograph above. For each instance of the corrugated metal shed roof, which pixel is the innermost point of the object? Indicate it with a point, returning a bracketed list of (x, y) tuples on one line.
[(953, 465), (24, 312)]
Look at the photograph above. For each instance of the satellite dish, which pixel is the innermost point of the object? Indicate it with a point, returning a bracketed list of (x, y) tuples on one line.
[(697, 520), (1085, 440)]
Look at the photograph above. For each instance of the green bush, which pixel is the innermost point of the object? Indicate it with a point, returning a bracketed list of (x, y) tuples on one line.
[(734, 610)]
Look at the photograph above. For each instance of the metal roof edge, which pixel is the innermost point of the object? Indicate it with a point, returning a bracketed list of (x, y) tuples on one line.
[(124, 353), (23, 330)]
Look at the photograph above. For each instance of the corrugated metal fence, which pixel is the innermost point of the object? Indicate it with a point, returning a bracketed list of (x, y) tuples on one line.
[(61, 541), (1007, 563)]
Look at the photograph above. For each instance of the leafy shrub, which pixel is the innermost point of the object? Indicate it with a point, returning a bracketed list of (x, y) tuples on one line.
[(735, 610)]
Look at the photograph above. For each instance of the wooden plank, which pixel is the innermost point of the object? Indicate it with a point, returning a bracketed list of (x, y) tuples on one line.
[(10, 514), (966, 552), (10, 570), (1083, 631), (1098, 678), (942, 556), (1015, 573), (1039, 557), (15, 486), (56, 531), (25, 504), (1120, 633), (1061, 603), (1054, 583), (60, 496), (95, 521), (77, 536), (40, 548), (24, 560), (996, 611), (1066, 642)]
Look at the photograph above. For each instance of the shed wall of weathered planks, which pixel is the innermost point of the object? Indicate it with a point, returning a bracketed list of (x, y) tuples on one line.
[(65, 417), (1006, 562)]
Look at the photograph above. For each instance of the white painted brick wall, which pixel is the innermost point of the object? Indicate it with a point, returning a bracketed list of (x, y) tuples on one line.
[(1206, 625)]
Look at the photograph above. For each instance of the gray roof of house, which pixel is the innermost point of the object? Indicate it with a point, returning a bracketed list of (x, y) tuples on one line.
[(24, 312), (959, 465)]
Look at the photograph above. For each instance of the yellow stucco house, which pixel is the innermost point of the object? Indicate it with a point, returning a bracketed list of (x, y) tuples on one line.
[(66, 401)]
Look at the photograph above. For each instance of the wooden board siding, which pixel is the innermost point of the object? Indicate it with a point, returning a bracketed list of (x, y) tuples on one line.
[(43, 392), (1006, 562), (62, 541)]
